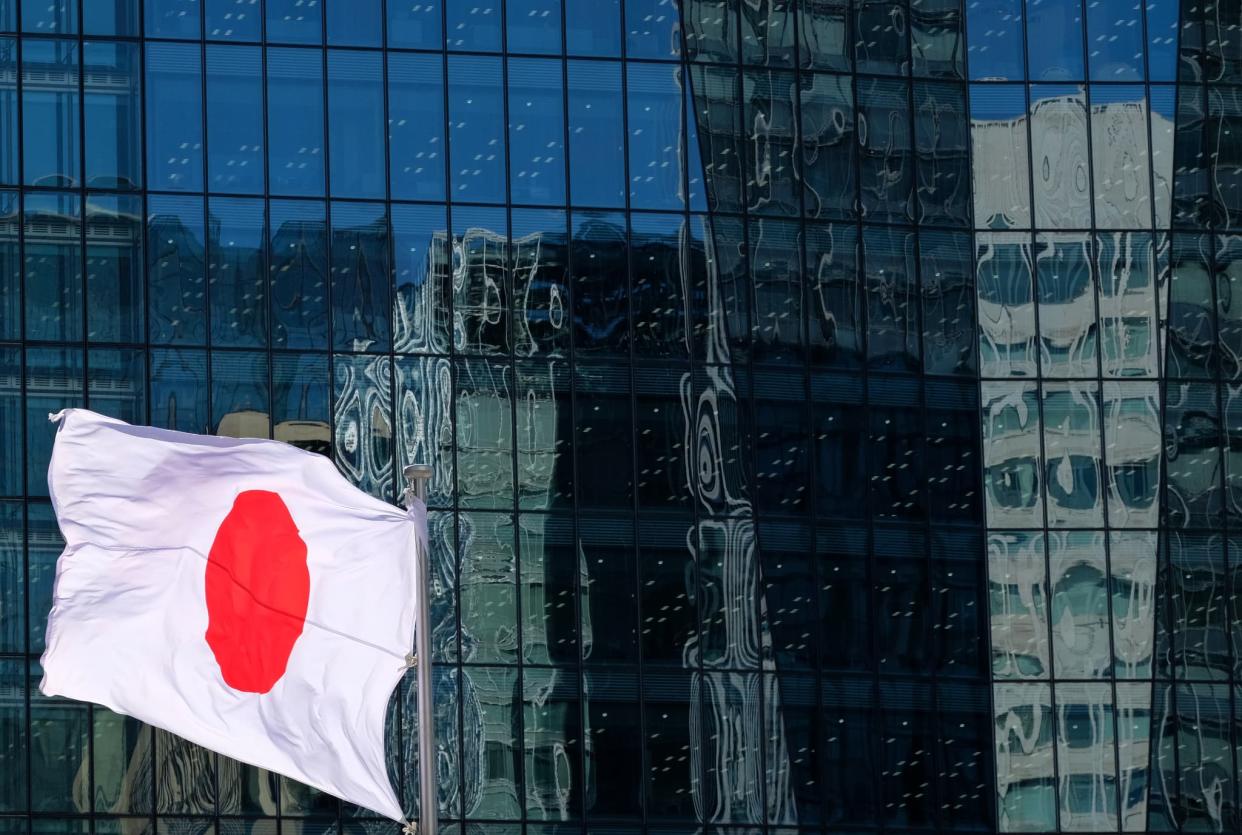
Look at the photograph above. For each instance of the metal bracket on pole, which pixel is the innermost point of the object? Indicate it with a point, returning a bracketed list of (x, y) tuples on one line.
[(417, 476)]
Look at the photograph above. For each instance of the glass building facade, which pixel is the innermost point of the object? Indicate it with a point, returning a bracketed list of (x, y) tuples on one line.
[(832, 404)]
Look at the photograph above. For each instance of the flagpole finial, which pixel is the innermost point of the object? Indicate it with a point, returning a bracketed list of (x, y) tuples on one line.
[(416, 477)]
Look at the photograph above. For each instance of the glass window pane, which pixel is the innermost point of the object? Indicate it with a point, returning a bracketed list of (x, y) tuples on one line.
[(361, 277), (53, 225), (176, 262), (10, 267), (425, 430), (114, 268), (1069, 331), (948, 302), (295, 128), (1115, 41), (172, 18), (481, 281), (652, 29), (355, 22), (113, 110), (534, 26), (51, 17), (769, 113), (415, 24), (540, 282), (294, 21), (477, 138), (997, 45), (536, 132), (596, 134), (54, 381), (234, 20), (50, 118), (886, 150), (416, 144), (179, 390), (362, 419), (238, 272), (9, 141), (117, 386), (13, 588), (832, 273), (828, 146), (881, 44), (239, 394), (1012, 476), (999, 154), (299, 268), (824, 34), (474, 26), (943, 153), (356, 120), (235, 119), (110, 17), (423, 292), (593, 27), (656, 119), (300, 407), (11, 420), (1054, 39), (938, 38), (174, 117)]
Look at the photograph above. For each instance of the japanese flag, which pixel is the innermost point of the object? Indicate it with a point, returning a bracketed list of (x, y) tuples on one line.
[(238, 593)]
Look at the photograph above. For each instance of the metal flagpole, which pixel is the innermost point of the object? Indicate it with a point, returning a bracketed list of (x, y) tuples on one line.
[(416, 477)]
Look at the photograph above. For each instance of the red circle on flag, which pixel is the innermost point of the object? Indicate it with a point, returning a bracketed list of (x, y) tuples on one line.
[(258, 589)]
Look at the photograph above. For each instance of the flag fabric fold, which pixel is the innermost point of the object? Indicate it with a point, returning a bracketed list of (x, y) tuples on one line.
[(238, 593)]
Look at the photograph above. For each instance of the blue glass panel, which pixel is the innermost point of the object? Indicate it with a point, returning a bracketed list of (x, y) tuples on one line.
[(50, 118), (300, 401), (54, 381), (534, 26), (416, 147), (593, 27), (234, 20), (596, 134), (176, 261), (235, 119), (658, 287), (652, 29), (299, 267), (8, 15), (356, 123), (361, 277), (474, 26), (113, 109), (172, 18), (53, 264), (238, 276), (477, 137), (536, 132), (110, 17), (294, 21), (423, 290), (10, 267), (1115, 40), (996, 39), (239, 394), (117, 385), (9, 141), (1162, 26), (50, 17), (1054, 40), (656, 112), (174, 117), (114, 269), (179, 390), (11, 423), (541, 284), (355, 22), (295, 121), (880, 44), (12, 587), (416, 24)]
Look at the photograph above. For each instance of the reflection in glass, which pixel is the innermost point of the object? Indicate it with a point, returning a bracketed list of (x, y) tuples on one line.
[(51, 142), (235, 151), (115, 306), (52, 223), (295, 127), (237, 272), (596, 134), (174, 117), (355, 117), (415, 126), (112, 108)]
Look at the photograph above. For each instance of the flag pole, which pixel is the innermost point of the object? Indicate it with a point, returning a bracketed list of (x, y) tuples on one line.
[(417, 476)]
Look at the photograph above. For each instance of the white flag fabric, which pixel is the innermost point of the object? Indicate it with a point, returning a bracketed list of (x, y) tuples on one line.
[(238, 593)]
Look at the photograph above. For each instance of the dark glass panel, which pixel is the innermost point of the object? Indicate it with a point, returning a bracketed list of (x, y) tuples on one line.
[(541, 282), (237, 272), (659, 422), (614, 777), (881, 43), (711, 29), (176, 261), (54, 381), (669, 700), (416, 145), (361, 278), (110, 17), (179, 390), (775, 248), (355, 23), (415, 24), (997, 42), (53, 267), (235, 119), (240, 406), (609, 588), (655, 111), (488, 586), (475, 26), (423, 282), (658, 295), (59, 746), (901, 590), (909, 727), (171, 18), (11, 421), (895, 449), (113, 113), (51, 143), (356, 124), (12, 591), (114, 269), (536, 132), (892, 298), (1193, 439), (53, 17), (174, 149), (299, 266), (477, 129), (534, 26), (295, 21), (596, 134), (552, 733), (593, 27), (652, 29), (485, 417), (599, 264), (782, 442), (295, 121), (942, 145), (362, 442), (1191, 326), (717, 122), (481, 281), (545, 464), (300, 407), (886, 150), (10, 143), (14, 773), (603, 432), (117, 383), (787, 571), (945, 270), (234, 20), (1193, 206), (769, 108), (958, 635), (1196, 594), (938, 38), (43, 546), (954, 490), (850, 739), (824, 34), (839, 445), (768, 33), (10, 268), (828, 155)]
